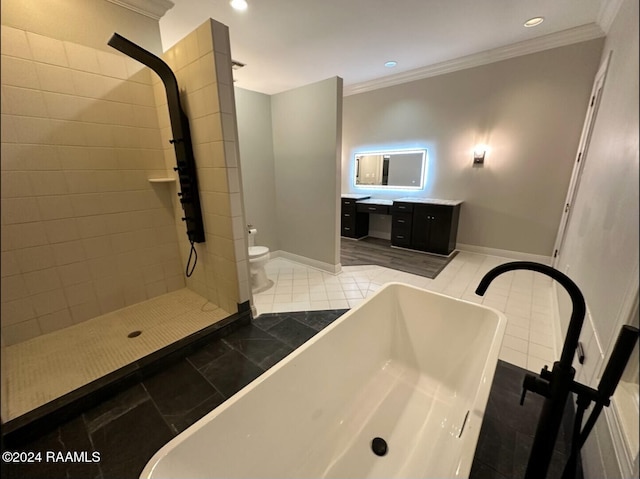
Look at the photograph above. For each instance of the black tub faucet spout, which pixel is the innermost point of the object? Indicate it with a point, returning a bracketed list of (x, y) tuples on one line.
[(555, 385)]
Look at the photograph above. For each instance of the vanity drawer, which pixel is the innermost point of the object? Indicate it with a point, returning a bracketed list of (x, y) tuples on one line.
[(401, 229), (401, 239), (401, 208), (402, 221), (348, 206), (375, 209)]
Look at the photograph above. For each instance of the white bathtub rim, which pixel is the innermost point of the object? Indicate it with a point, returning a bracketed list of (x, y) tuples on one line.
[(475, 416)]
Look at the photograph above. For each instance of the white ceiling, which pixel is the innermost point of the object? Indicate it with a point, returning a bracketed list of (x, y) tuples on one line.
[(289, 43)]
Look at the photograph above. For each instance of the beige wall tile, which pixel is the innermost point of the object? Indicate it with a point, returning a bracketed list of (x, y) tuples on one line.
[(23, 101), (48, 183), (14, 43), (41, 281), (20, 332), (54, 207), (112, 65), (81, 57), (55, 321), (18, 72), (59, 231), (13, 288), (15, 184), (80, 293), (82, 135), (19, 210), (47, 50), (49, 302), (68, 252), (74, 273), (54, 79), (9, 264), (16, 311), (85, 311)]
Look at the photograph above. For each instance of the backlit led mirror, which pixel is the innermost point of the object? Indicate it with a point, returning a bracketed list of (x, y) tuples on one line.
[(404, 169)]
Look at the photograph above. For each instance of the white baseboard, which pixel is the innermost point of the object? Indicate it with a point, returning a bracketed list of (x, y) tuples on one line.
[(326, 267), (504, 253)]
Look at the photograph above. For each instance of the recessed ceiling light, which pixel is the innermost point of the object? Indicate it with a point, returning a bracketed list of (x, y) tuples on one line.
[(532, 22), (390, 64), (239, 4)]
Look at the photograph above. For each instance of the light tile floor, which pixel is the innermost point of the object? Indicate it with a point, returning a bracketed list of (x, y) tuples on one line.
[(524, 297)]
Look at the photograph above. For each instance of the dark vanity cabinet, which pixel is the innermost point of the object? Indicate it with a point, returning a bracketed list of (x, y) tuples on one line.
[(435, 228), (354, 224), (401, 221), (428, 227)]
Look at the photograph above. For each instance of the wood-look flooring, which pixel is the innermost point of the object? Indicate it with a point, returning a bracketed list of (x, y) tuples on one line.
[(379, 252)]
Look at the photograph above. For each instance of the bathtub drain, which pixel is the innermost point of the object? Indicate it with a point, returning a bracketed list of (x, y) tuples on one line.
[(379, 446)]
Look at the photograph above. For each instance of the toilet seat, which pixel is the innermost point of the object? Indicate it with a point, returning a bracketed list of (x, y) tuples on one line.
[(257, 251)]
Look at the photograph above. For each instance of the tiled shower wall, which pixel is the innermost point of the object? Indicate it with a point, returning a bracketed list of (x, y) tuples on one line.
[(202, 64), (83, 231)]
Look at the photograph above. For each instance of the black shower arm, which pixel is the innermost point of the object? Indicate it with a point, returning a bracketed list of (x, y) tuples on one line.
[(163, 71)]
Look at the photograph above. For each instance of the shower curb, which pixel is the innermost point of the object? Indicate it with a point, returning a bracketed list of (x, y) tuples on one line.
[(47, 417)]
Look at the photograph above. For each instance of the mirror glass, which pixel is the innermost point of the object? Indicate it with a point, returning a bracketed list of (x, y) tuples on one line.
[(391, 169)]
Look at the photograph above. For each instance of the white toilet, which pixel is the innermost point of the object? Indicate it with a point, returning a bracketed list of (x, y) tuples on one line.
[(258, 257)]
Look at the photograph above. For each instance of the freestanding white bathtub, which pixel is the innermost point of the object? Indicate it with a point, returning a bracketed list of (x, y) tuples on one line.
[(407, 365)]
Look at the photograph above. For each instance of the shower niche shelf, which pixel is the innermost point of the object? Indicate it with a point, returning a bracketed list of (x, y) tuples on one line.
[(162, 180)]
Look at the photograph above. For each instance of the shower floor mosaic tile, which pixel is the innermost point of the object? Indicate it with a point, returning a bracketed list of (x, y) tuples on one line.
[(47, 367), (524, 296), (128, 428)]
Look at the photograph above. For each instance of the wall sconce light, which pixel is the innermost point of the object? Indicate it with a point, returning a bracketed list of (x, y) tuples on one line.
[(479, 153)]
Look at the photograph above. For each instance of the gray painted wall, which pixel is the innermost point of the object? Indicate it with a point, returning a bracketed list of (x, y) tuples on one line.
[(600, 251), (290, 154), (258, 168), (306, 143), (529, 110)]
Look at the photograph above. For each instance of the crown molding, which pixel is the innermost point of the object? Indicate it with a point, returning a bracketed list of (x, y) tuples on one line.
[(607, 13), (149, 8), (545, 42)]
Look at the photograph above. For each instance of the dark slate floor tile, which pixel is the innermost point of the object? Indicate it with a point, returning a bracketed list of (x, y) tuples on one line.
[(178, 389), (496, 446), (179, 423), (208, 353), (479, 470), (127, 443), (508, 378), (266, 321), (114, 407), (292, 332), (521, 458), (231, 372), (506, 408), (249, 331), (264, 352), (317, 320), (70, 437)]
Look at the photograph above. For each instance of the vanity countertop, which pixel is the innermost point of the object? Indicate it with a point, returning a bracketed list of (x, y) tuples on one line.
[(376, 201), (429, 201), (354, 196)]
